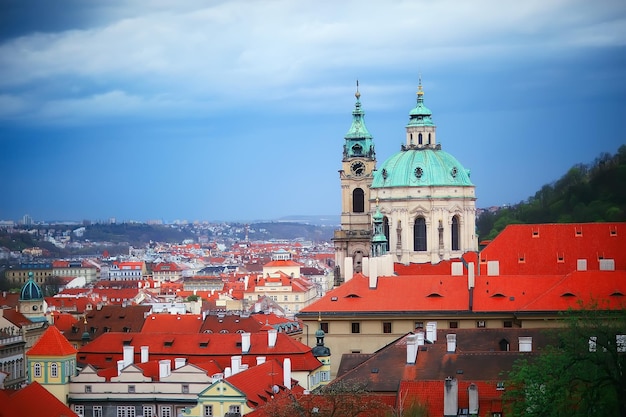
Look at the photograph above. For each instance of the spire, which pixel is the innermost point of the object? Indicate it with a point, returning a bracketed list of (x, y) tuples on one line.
[(358, 140), (420, 115)]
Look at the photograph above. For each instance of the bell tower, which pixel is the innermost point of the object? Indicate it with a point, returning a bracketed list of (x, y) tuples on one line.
[(358, 164)]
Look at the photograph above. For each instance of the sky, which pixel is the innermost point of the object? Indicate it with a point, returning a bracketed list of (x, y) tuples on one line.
[(237, 110)]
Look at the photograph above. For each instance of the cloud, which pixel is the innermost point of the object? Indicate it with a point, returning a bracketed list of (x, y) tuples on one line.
[(262, 51)]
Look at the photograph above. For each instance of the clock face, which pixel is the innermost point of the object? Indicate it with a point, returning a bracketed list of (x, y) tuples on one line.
[(357, 168)]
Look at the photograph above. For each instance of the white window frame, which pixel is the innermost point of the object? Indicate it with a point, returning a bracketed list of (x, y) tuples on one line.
[(37, 369), (54, 370), (97, 411), (207, 411), (79, 409), (165, 411)]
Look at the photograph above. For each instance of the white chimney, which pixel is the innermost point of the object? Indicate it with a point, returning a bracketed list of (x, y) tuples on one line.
[(120, 366), (431, 331), (472, 392), (228, 372), (420, 338), (287, 373), (271, 337), (144, 354), (245, 342), (165, 368), (179, 362), (260, 360), (129, 352), (373, 275), (246, 279), (411, 348), (235, 363), (525, 344), (365, 266), (348, 268), (471, 279), (451, 339), (450, 397)]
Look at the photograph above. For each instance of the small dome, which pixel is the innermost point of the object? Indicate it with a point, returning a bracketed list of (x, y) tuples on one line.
[(319, 333), (421, 167), (30, 290)]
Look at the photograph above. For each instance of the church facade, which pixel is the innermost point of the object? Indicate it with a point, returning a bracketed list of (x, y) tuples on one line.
[(425, 196)]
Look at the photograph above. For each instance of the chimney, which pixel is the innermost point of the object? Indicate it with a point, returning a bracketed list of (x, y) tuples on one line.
[(287, 373), (525, 344), (431, 331), (179, 362), (129, 352), (260, 360), (120, 366), (245, 342), (271, 337), (420, 338), (451, 339), (348, 268), (235, 363), (144, 354), (411, 349), (472, 392), (373, 274), (165, 368), (450, 397)]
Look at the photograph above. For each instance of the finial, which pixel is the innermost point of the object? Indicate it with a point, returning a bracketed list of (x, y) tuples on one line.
[(357, 94), (376, 201), (419, 86)]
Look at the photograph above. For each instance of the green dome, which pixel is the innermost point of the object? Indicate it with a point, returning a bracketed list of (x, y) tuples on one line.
[(30, 290), (421, 167)]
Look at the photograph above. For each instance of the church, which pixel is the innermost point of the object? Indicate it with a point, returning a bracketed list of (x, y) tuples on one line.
[(419, 206)]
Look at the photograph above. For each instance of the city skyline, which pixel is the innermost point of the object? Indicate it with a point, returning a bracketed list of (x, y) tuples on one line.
[(237, 110)]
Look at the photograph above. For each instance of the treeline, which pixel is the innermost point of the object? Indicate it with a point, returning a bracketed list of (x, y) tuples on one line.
[(135, 234), (586, 193)]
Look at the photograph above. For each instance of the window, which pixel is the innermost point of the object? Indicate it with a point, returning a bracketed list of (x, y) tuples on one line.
[(166, 411), (148, 411), (88, 389), (419, 235), (508, 323), (455, 233), (285, 298), (387, 327), (97, 411), (54, 370), (453, 324), (208, 411), (185, 388), (324, 326), (386, 232), (500, 386), (125, 411), (37, 370), (419, 324), (358, 201), (131, 389), (234, 409), (356, 327), (79, 409)]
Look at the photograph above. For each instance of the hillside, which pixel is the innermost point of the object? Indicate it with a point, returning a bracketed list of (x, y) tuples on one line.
[(586, 193)]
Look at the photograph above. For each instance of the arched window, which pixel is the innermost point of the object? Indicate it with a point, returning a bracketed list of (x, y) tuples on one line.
[(419, 235), (455, 233), (386, 230), (54, 370), (37, 370), (358, 201), (429, 138), (419, 139)]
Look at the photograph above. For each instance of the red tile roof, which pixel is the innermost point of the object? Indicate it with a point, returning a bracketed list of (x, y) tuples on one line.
[(197, 348), (51, 343), (170, 323), (527, 249), (21, 404)]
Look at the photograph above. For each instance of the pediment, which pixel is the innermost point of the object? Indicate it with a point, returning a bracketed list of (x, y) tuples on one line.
[(419, 209)]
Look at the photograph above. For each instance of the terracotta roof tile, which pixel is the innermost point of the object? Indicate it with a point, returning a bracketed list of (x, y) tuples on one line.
[(52, 342)]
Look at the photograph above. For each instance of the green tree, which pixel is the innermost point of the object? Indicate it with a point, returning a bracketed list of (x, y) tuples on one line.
[(583, 373)]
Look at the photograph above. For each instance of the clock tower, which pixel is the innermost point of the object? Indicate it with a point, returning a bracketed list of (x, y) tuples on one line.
[(353, 240)]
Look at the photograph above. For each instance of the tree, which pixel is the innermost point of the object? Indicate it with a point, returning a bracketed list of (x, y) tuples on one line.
[(583, 373), (339, 399)]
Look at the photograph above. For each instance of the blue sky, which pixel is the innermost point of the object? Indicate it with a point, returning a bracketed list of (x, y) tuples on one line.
[(236, 110)]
